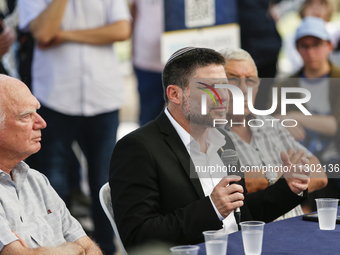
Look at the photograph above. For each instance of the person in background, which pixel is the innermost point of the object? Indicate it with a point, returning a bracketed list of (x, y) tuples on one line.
[(261, 39), (76, 78), (155, 194), (7, 26), (147, 29), (320, 132), (258, 145), (33, 218), (323, 9)]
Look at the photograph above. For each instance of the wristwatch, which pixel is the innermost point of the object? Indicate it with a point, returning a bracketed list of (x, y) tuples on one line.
[(271, 177)]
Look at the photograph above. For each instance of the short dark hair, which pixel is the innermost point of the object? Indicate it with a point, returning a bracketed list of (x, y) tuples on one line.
[(179, 69)]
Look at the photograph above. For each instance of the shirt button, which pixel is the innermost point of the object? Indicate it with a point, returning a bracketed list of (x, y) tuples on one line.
[(3, 174)]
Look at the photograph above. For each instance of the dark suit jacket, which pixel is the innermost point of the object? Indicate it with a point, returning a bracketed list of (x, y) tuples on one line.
[(154, 198)]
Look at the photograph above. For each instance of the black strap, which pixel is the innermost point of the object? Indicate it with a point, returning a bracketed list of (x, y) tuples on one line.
[(2, 69), (230, 145)]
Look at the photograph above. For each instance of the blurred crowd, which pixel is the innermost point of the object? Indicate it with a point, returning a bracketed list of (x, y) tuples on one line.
[(62, 50)]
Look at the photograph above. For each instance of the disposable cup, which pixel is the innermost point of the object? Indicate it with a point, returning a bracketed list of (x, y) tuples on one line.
[(252, 236), (327, 211), (216, 242), (185, 250)]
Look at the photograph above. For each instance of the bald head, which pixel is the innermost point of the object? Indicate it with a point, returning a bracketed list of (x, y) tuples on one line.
[(20, 134), (11, 87), (12, 91)]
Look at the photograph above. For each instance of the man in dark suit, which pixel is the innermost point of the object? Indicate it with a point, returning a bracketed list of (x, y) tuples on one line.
[(154, 196)]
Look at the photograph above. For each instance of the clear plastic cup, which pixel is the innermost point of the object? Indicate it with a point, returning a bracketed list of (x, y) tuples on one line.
[(327, 211), (216, 242), (185, 250), (252, 236)]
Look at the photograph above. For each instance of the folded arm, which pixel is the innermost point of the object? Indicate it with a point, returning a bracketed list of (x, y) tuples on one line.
[(47, 25), (108, 34), (83, 246), (89, 246), (46, 29), (68, 248)]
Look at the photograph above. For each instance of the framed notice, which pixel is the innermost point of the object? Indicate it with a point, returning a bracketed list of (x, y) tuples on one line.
[(201, 23), (215, 37), (184, 14)]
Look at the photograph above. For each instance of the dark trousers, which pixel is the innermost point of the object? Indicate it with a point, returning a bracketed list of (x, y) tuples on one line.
[(98, 139), (267, 73), (150, 95)]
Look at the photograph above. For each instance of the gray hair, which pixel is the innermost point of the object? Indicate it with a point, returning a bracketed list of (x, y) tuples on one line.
[(236, 54)]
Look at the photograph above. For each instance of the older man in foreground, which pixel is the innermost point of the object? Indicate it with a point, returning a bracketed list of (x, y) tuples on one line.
[(33, 218)]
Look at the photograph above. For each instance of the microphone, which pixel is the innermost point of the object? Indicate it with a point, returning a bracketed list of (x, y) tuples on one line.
[(229, 158)]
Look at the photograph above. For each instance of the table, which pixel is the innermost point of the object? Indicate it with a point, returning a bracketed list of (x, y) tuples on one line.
[(292, 236)]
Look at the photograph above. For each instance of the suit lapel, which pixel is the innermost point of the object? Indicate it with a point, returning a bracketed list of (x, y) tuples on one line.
[(175, 143)]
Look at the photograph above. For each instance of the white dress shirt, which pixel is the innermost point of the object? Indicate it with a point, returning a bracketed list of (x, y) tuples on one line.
[(77, 78), (215, 141), (147, 31)]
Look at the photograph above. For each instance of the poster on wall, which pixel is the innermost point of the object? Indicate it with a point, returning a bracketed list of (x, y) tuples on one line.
[(201, 23)]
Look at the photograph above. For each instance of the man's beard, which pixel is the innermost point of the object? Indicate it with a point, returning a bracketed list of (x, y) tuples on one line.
[(192, 112)]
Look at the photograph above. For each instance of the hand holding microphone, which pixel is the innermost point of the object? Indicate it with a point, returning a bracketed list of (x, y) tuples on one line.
[(227, 198), (230, 158)]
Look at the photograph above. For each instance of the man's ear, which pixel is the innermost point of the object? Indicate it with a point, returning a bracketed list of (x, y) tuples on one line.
[(174, 94)]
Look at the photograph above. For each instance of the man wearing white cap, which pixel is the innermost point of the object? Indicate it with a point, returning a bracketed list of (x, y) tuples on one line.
[(320, 132)]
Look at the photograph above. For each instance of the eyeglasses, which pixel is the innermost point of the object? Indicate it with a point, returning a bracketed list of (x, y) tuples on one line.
[(252, 82), (313, 46)]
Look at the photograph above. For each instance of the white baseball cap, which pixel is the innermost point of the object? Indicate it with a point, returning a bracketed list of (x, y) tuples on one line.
[(312, 26)]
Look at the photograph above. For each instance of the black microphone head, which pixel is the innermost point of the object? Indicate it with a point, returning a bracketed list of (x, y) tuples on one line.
[(229, 157)]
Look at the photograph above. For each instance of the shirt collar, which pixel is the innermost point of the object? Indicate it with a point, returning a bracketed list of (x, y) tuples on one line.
[(183, 134), (19, 173), (214, 138)]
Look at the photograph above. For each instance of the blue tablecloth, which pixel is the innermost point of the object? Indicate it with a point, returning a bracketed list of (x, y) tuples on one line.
[(292, 236)]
